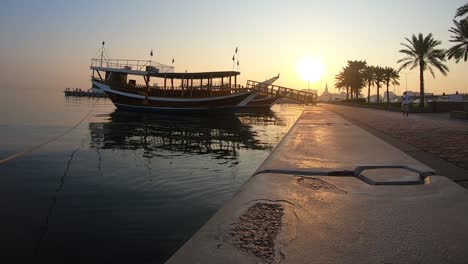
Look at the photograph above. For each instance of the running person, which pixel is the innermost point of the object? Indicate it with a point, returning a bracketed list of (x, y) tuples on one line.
[(405, 103)]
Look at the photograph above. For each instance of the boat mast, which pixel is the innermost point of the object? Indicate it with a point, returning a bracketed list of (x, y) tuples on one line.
[(102, 52)]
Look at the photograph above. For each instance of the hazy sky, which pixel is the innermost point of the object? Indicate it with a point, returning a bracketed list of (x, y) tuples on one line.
[(49, 44)]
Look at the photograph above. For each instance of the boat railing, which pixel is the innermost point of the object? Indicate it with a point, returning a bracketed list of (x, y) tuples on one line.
[(279, 91), (180, 91), (135, 65)]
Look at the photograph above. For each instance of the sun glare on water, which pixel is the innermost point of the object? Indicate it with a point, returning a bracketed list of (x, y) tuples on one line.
[(310, 69)]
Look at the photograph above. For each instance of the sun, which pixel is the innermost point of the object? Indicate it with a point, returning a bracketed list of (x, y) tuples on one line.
[(310, 69)]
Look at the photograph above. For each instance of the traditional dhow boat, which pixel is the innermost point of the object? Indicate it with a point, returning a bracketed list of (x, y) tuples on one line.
[(174, 91)]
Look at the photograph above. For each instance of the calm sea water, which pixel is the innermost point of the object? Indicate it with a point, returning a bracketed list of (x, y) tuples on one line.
[(121, 187)]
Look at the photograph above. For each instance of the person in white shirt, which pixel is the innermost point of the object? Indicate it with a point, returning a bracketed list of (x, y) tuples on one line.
[(405, 103)]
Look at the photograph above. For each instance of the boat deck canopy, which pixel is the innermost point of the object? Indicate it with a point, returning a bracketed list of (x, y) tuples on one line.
[(173, 75), (153, 69), (195, 75)]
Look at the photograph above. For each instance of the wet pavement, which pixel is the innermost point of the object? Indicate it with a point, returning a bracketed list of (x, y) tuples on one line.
[(435, 134), (339, 195)]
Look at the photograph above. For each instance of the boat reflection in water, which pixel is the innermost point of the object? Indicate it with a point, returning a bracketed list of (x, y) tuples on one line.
[(220, 136), (164, 176), (259, 117)]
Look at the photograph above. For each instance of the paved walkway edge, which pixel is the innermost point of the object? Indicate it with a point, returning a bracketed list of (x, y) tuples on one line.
[(331, 192), (441, 166)]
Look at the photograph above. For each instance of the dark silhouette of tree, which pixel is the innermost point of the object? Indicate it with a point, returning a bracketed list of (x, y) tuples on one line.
[(369, 79), (351, 77), (391, 76), (422, 51), (356, 69), (343, 80), (460, 37), (462, 11), (379, 79)]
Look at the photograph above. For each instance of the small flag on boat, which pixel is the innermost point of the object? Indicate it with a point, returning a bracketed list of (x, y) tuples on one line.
[(236, 50), (151, 53), (232, 57)]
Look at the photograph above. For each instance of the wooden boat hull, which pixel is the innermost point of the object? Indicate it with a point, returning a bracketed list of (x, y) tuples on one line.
[(262, 102), (135, 102)]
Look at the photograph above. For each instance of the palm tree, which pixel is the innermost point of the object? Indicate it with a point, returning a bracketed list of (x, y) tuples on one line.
[(460, 50), (369, 78), (379, 74), (422, 51), (356, 69), (343, 80), (462, 10), (390, 76)]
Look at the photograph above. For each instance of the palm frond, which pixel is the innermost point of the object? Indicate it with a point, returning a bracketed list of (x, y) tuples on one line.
[(462, 11), (460, 37), (423, 50), (407, 52), (431, 71), (409, 47)]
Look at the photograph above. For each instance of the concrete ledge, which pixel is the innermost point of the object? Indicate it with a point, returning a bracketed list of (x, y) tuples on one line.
[(325, 142), (328, 219), (321, 203)]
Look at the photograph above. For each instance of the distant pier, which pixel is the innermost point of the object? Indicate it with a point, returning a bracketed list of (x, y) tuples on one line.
[(77, 92)]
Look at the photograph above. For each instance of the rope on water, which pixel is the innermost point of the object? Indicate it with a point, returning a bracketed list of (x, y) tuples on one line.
[(45, 228), (31, 149)]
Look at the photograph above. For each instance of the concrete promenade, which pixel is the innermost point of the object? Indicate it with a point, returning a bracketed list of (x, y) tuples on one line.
[(331, 192), (431, 138)]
